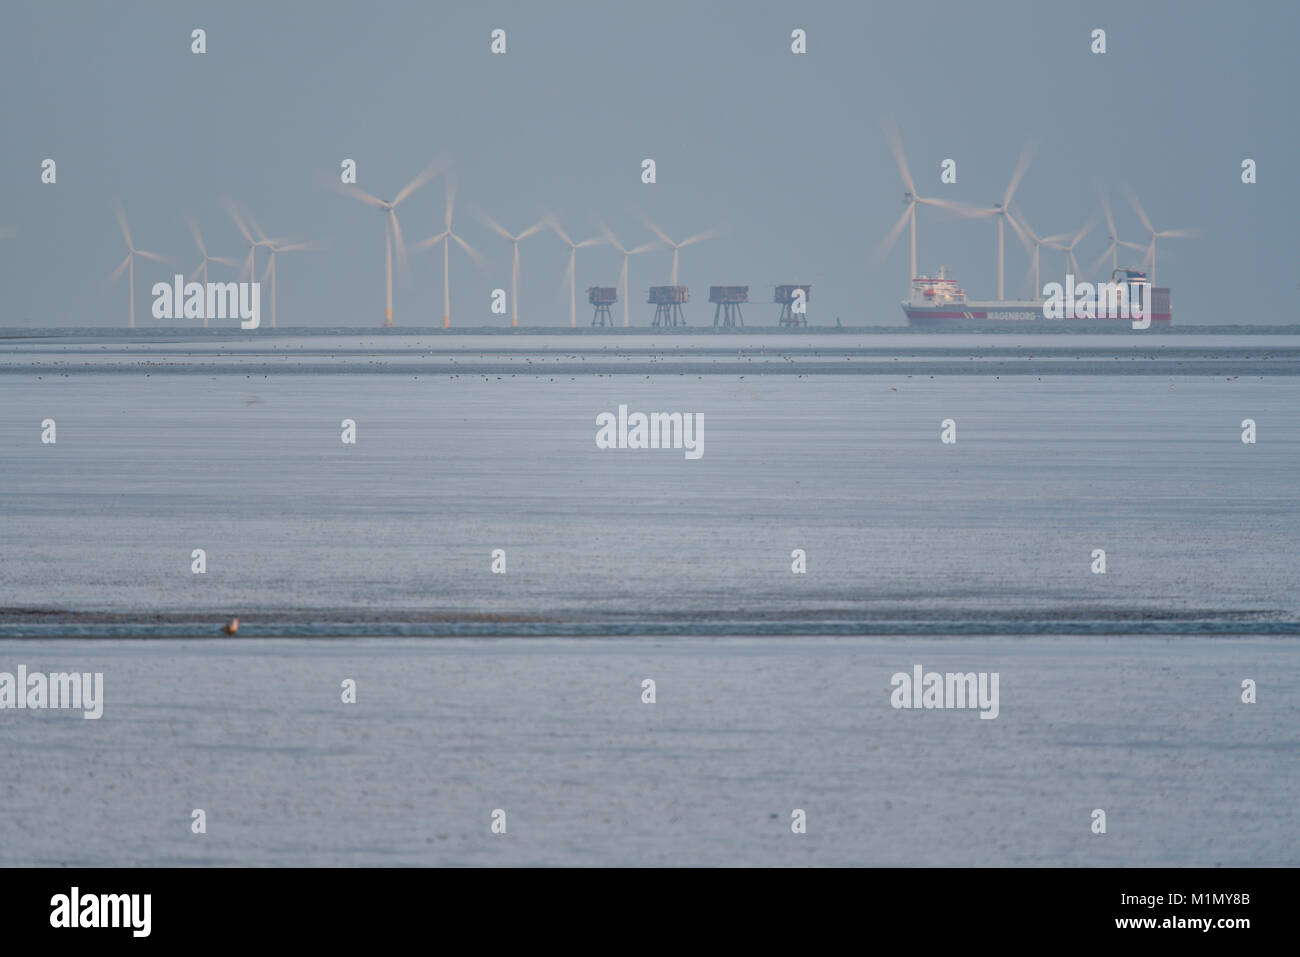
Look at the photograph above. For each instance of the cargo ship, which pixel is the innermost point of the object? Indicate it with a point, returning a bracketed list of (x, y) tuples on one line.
[(937, 302)]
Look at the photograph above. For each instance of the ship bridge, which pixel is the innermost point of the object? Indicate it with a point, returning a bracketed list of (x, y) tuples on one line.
[(937, 290)]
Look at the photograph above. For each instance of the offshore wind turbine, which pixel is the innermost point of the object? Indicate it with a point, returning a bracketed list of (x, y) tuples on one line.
[(1002, 210), (202, 267), (1162, 234), (627, 255), (392, 228), (249, 267), (912, 200), (514, 270), (573, 256), (1055, 242), (276, 247), (129, 262), (713, 233), (1115, 242), (445, 237)]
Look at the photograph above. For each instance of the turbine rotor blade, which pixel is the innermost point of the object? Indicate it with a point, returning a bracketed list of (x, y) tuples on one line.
[(713, 233), (1020, 234), (609, 236), (474, 253), (952, 204), (233, 210), (194, 229), (493, 224), (1137, 207), (402, 262), (120, 213), (332, 183), (534, 228), (112, 277), (559, 231), (1179, 234), (257, 230), (885, 245), (568, 274), (1102, 258), (1022, 165), (1110, 220), (1083, 231), (963, 210), (896, 147), (451, 200), (654, 229), (1019, 217), (429, 172), (429, 243)]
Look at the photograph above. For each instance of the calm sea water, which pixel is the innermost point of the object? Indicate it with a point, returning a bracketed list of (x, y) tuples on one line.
[(743, 732), (1119, 691), (168, 447)]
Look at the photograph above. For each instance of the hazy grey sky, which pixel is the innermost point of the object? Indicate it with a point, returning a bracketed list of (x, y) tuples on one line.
[(785, 150)]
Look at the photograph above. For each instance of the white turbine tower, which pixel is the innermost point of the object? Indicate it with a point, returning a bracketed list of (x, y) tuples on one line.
[(202, 267), (623, 273), (573, 258), (129, 262), (912, 200), (276, 247), (713, 233), (445, 238), (1161, 234), (514, 269), (1115, 242), (392, 228), (1002, 210)]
